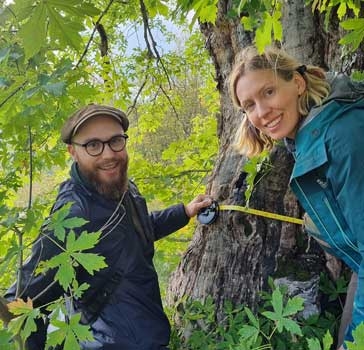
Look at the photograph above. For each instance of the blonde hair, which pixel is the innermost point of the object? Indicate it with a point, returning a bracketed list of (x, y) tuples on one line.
[(249, 140)]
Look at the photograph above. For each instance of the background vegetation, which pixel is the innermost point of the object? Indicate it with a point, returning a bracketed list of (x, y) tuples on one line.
[(145, 57)]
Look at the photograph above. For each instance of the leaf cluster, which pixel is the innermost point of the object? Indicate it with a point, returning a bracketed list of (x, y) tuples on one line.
[(277, 325), (75, 253)]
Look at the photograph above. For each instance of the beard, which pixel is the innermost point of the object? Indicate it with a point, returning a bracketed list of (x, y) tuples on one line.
[(113, 189)]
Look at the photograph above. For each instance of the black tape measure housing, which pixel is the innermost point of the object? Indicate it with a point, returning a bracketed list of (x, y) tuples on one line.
[(209, 214)]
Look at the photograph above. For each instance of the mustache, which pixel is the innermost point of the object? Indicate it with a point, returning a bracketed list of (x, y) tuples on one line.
[(113, 161)]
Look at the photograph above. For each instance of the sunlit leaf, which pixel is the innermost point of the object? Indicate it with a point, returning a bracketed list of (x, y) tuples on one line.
[(86, 240), (91, 262)]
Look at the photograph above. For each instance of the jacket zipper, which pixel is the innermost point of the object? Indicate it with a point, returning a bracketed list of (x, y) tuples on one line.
[(336, 221)]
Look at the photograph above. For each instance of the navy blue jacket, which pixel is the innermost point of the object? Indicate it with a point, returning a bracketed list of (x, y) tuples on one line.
[(133, 317)]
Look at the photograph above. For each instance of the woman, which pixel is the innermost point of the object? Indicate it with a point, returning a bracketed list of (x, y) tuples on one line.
[(321, 119)]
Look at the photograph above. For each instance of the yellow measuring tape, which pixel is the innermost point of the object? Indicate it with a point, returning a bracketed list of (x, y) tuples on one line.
[(209, 214), (266, 214)]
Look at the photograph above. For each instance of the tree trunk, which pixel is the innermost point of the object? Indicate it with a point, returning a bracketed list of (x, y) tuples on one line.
[(233, 258)]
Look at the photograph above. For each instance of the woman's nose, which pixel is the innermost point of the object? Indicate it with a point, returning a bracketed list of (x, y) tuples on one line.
[(262, 109)]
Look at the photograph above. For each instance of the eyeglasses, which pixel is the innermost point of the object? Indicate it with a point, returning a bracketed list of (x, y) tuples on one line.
[(95, 147)]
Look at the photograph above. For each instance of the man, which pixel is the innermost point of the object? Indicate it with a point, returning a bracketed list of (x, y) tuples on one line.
[(123, 305)]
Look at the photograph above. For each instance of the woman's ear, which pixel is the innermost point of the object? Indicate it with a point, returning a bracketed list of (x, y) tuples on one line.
[(300, 83)]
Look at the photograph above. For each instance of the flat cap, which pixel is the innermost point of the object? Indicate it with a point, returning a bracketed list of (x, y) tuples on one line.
[(73, 123)]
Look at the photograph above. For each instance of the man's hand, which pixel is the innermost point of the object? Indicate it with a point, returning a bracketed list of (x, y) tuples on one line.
[(201, 201)]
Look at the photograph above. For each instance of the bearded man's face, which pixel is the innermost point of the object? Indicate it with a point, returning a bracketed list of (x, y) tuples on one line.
[(107, 172)]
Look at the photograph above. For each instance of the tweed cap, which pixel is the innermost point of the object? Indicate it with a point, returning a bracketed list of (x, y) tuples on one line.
[(74, 122)]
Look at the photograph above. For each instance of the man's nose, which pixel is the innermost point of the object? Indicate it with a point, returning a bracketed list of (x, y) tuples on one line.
[(108, 152)]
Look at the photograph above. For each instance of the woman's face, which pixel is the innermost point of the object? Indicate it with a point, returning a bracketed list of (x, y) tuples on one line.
[(271, 103)]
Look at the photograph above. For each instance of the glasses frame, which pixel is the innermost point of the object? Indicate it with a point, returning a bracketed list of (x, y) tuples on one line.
[(84, 145)]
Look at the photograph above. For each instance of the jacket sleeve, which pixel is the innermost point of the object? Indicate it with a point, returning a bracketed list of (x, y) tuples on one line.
[(168, 220), (345, 144)]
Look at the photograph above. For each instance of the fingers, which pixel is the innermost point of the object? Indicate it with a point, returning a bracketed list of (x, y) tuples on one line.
[(198, 203)]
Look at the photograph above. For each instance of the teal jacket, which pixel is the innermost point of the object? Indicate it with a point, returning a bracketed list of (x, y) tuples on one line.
[(328, 177)]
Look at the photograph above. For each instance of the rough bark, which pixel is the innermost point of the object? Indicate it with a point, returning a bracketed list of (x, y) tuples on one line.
[(232, 259)]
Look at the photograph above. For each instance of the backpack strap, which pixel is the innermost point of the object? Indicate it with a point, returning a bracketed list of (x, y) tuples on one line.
[(94, 303)]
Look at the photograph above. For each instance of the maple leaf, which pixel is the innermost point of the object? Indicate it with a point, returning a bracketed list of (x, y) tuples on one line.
[(19, 306)]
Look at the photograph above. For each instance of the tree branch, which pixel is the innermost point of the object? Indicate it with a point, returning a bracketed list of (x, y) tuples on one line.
[(181, 174), (13, 93), (148, 33), (137, 96), (104, 46), (93, 33), (20, 261), (174, 109)]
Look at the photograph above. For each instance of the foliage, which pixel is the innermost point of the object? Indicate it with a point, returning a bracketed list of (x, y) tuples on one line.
[(358, 335), (258, 165), (333, 289), (67, 330), (355, 25), (276, 326)]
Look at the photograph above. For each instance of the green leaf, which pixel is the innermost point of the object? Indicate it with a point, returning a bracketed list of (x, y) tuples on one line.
[(78, 290), (33, 32), (59, 221), (82, 332), (206, 11), (341, 11), (358, 335), (4, 54), (74, 222), (248, 23), (5, 340), (30, 325), (66, 272), (75, 7), (156, 7), (16, 324), (353, 24), (263, 34), (277, 25), (70, 333), (354, 38), (327, 341), (55, 89), (71, 342), (291, 326), (247, 332), (4, 83), (64, 30), (277, 302), (25, 323), (91, 262), (84, 241), (293, 306), (254, 321), (313, 344)]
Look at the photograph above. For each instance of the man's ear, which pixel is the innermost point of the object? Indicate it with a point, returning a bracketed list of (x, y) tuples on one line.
[(72, 151)]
